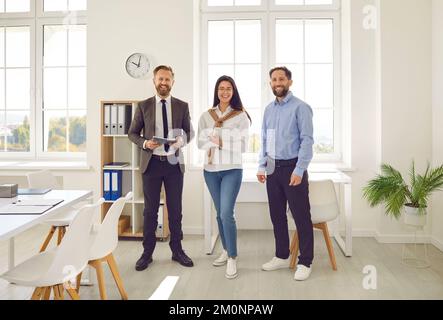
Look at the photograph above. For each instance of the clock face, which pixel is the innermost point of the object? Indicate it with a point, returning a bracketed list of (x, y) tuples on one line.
[(137, 65)]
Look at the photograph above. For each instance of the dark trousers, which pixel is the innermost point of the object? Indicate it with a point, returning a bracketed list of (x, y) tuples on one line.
[(160, 172), (279, 195)]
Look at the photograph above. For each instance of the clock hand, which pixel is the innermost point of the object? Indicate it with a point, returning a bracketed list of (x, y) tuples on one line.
[(135, 64), (139, 58)]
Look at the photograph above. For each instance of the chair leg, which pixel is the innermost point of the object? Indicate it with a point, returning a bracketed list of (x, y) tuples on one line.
[(72, 293), (79, 280), (48, 238), (118, 280), (60, 235), (37, 294), (56, 292), (329, 246), (61, 291), (294, 253), (97, 264), (47, 294)]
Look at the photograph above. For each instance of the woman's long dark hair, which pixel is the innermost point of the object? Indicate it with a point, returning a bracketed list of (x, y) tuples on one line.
[(235, 102)]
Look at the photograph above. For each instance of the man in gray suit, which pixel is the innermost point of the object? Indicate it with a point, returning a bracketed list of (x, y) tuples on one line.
[(168, 117)]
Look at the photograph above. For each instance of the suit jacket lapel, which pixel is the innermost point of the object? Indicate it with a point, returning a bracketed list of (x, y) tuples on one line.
[(174, 113), (151, 117)]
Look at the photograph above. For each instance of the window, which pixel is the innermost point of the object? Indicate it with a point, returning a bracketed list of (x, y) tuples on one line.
[(11, 6), (15, 106), (64, 5), (300, 34), (64, 88), (42, 79)]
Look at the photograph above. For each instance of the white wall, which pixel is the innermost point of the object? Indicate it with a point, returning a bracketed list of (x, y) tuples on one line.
[(363, 128), (437, 103), (405, 90)]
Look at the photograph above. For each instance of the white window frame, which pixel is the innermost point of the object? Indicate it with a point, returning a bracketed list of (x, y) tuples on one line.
[(337, 155), (36, 19), (20, 15), (268, 12), (11, 22), (335, 6), (41, 154), (233, 9)]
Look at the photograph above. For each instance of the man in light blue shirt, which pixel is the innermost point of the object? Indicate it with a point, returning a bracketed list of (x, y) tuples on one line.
[(287, 140)]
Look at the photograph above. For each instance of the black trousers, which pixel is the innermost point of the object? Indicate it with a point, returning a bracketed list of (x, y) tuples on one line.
[(157, 173), (279, 195)]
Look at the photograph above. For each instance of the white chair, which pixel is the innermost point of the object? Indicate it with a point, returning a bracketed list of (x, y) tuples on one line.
[(324, 208), (54, 269), (45, 179), (104, 244)]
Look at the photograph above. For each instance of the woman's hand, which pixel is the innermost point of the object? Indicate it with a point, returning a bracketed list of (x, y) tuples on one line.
[(215, 139)]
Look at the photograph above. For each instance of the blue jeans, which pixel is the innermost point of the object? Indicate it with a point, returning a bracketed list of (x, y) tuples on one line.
[(224, 187)]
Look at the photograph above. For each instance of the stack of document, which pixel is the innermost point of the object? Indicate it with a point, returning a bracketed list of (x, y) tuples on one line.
[(29, 206), (116, 165)]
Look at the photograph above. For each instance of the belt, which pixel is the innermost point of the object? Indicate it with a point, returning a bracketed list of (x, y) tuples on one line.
[(283, 163), (160, 158)]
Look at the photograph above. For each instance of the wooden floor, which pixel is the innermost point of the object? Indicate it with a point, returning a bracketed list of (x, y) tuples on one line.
[(394, 279)]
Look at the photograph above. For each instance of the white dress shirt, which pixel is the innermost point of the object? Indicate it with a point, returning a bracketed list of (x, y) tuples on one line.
[(160, 151)]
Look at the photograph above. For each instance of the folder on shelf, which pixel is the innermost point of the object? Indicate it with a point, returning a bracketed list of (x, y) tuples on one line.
[(116, 184), (107, 185), (124, 118), (107, 119), (116, 165), (114, 119)]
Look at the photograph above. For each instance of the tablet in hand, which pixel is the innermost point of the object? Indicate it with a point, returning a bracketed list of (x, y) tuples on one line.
[(161, 140)]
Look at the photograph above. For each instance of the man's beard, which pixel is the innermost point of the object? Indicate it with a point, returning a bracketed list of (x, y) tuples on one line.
[(163, 91), (282, 94)]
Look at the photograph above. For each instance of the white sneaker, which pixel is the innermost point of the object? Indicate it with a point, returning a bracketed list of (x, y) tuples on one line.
[(302, 273), (231, 268), (276, 264), (221, 260)]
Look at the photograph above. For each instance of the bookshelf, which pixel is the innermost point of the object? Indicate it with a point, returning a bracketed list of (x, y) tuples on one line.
[(118, 148)]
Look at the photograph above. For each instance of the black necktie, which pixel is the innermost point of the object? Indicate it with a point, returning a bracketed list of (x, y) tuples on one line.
[(165, 123)]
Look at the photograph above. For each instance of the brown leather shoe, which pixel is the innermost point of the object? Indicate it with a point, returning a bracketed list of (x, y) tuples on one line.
[(182, 258)]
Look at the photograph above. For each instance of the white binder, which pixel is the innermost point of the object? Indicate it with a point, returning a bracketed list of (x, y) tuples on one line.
[(114, 119), (107, 119), (107, 185)]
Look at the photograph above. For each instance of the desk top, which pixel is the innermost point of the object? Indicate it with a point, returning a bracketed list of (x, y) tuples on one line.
[(335, 176), (11, 225)]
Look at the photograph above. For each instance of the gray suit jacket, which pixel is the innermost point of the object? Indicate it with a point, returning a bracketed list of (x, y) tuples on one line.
[(144, 124)]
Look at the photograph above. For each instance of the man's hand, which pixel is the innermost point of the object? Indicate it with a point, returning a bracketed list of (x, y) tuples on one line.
[(261, 177), (295, 181), (178, 143), (151, 145)]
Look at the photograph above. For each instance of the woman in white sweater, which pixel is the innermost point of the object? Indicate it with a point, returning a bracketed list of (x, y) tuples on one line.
[(223, 133)]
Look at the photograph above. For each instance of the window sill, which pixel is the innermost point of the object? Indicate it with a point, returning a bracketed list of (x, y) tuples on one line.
[(41, 165)]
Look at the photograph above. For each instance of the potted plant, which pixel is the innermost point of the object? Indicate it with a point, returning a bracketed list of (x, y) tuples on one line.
[(389, 188)]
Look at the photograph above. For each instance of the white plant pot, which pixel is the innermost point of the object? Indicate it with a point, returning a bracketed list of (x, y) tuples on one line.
[(413, 218)]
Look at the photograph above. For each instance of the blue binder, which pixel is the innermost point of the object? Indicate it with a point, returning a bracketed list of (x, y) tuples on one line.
[(107, 184), (116, 184)]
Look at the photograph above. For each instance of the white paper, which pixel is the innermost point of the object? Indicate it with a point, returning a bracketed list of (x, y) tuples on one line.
[(15, 209)]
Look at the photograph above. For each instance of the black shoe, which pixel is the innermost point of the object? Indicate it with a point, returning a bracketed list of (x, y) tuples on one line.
[(143, 262), (182, 258)]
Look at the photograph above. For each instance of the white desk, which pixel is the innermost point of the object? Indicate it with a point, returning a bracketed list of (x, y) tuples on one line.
[(252, 191), (12, 225)]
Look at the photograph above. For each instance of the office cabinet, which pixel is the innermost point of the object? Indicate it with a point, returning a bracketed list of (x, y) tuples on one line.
[(116, 148)]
